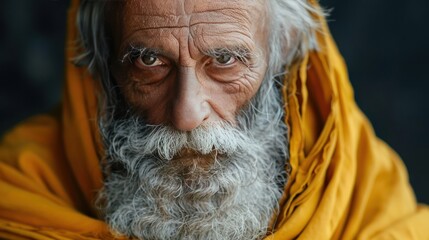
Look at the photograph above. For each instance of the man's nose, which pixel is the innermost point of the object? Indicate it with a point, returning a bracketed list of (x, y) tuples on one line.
[(190, 108)]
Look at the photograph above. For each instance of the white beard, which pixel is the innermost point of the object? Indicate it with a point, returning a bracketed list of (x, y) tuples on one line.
[(148, 194)]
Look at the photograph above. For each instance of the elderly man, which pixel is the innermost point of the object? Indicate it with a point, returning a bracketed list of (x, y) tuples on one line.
[(203, 120)]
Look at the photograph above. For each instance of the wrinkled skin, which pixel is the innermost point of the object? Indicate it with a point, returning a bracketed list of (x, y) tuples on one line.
[(185, 64), (179, 83)]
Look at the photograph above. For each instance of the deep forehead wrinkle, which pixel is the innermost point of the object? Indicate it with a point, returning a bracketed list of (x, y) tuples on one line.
[(231, 16), (183, 7), (160, 7), (185, 13)]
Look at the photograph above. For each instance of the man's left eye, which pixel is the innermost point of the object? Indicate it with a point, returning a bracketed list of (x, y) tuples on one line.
[(225, 59)]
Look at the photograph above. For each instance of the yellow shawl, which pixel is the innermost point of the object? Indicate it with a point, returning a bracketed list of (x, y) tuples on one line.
[(345, 183)]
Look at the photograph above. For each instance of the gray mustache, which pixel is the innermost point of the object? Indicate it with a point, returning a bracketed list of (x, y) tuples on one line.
[(166, 142)]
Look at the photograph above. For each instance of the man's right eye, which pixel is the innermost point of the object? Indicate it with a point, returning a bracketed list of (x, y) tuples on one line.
[(148, 60)]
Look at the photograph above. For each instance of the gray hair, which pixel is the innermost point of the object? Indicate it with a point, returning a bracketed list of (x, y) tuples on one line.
[(292, 30)]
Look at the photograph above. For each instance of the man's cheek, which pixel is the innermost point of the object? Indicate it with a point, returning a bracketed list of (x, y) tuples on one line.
[(149, 101), (231, 98), (225, 90)]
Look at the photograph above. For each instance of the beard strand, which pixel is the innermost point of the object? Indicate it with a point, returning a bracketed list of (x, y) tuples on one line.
[(147, 194)]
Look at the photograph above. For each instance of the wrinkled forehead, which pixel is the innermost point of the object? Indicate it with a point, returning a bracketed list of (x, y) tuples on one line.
[(155, 23), (138, 14), (187, 7)]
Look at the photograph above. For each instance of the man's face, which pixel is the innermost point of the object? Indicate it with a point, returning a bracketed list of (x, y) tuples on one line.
[(189, 62), (198, 158)]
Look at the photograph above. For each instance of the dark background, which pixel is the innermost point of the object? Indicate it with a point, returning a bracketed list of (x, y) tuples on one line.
[(385, 44)]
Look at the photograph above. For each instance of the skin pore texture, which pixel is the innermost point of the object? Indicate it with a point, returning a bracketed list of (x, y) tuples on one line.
[(200, 151)]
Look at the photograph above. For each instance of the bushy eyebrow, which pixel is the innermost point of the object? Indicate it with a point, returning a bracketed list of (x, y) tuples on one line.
[(242, 53), (135, 51)]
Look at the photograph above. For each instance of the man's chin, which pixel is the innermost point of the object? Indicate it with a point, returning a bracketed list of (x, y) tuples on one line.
[(198, 195)]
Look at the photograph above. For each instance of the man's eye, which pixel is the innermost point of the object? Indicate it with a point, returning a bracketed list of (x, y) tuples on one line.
[(148, 60), (225, 59)]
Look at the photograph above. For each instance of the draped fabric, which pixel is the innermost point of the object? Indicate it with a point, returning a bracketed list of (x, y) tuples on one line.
[(344, 182)]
